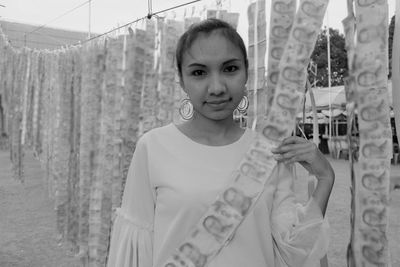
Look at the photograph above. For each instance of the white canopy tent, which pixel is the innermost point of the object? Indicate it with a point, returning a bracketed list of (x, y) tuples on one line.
[(338, 98)]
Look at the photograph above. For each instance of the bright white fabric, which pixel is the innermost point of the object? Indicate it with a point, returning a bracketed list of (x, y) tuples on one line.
[(172, 181)]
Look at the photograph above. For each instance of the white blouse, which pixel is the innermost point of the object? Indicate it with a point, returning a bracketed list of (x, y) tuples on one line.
[(173, 180)]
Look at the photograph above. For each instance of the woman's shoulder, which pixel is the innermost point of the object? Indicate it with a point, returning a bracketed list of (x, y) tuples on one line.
[(158, 134), (158, 131)]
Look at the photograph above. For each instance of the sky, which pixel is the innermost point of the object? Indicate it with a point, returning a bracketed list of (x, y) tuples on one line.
[(107, 14)]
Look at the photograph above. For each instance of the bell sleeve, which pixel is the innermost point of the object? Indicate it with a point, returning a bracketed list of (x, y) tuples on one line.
[(131, 242), (300, 232)]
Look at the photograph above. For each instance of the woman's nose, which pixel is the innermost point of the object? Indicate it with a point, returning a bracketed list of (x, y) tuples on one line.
[(217, 85)]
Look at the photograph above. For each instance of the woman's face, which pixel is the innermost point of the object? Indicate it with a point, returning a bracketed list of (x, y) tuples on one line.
[(214, 76)]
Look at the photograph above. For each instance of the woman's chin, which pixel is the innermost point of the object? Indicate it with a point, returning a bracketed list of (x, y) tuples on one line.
[(220, 116)]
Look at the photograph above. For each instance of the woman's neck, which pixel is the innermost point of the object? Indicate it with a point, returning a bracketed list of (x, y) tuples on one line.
[(214, 133)]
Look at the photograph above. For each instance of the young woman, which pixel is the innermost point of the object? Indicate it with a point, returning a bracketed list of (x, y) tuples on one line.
[(177, 171)]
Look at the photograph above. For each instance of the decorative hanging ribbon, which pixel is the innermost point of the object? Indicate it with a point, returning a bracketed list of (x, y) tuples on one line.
[(148, 116), (396, 69), (25, 98), (281, 21), (216, 227), (159, 46), (349, 24), (370, 244), (257, 49)]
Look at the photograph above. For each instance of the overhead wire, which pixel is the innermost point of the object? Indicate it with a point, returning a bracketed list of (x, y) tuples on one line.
[(58, 17), (148, 16), (110, 31)]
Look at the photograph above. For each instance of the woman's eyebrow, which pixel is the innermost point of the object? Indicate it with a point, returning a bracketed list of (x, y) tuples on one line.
[(231, 61), (196, 64)]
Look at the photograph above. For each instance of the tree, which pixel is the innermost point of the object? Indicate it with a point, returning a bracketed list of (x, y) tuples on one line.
[(339, 68)]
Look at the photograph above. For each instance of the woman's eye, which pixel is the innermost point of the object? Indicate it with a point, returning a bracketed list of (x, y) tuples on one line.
[(198, 72), (231, 68)]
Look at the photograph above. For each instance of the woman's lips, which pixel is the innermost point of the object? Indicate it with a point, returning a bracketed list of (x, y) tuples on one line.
[(217, 102)]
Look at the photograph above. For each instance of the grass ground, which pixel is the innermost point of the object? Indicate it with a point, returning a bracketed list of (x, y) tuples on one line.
[(27, 222)]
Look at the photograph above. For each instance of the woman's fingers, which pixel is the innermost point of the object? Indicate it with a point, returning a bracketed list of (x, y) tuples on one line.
[(296, 149), (288, 147), (302, 154), (301, 157), (294, 140)]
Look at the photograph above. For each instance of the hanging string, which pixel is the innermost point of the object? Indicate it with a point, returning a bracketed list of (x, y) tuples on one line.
[(110, 31), (171, 8), (148, 16), (60, 16)]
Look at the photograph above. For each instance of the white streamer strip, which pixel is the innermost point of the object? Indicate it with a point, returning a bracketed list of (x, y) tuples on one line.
[(257, 50), (370, 246), (396, 69), (349, 24), (281, 21), (25, 99)]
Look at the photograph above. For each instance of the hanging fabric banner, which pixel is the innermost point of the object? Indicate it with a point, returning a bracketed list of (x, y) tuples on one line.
[(370, 244), (293, 66), (256, 56), (281, 21), (101, 188), (396, 69), (149, 84), (349, 24), (93, 67)]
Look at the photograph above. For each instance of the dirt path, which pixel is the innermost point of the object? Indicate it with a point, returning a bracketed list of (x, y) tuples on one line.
[(27, 220)]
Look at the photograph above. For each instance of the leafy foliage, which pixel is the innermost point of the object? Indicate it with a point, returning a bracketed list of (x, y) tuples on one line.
[(338, 57), (339, 68)]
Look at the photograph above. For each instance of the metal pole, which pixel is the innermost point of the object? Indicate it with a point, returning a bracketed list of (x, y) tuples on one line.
[(90, 18), (329, 74)]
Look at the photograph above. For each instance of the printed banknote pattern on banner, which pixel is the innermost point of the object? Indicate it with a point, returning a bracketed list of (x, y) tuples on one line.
[(281, 21), (370, 246), (257, 49)]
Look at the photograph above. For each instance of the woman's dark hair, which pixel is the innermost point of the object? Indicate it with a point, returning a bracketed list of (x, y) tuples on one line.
[(207, 26)]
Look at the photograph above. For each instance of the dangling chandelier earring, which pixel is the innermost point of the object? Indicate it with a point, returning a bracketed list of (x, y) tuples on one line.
[(186, 109), (243, 105)]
